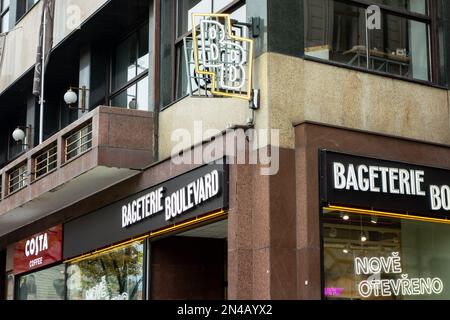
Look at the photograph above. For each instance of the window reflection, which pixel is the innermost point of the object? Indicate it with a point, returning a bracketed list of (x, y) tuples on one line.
[(116, 275), (130, 72), (47, 284), (337, 32), (134, 97)]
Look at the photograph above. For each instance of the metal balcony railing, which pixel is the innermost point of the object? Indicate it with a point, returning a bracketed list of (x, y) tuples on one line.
[(17, 178), (78, 142), (46, 161), (82, 148)]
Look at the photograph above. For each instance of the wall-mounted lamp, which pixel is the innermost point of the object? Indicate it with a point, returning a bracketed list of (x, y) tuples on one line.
[(19, 136), (70, 98)]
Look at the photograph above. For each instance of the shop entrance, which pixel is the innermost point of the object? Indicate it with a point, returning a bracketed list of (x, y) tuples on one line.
[(191, 265)]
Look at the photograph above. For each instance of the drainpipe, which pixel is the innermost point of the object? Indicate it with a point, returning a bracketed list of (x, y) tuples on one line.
[(156, 74)]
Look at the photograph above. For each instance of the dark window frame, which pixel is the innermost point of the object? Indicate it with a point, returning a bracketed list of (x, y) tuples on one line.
[(27, 9), (3, 13), (113, 93), (430, 19)]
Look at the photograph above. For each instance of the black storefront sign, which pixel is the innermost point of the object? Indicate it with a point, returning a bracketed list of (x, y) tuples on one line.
[(192, 194), (374, 184)]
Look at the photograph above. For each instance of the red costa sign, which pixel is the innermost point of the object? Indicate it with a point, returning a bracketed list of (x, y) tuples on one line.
[(38, 251)]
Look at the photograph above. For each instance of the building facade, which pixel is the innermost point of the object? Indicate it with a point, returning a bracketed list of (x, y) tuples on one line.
[(349, 198)]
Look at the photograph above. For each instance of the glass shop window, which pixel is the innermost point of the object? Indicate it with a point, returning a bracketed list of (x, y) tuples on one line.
[(114, 275), (338, 31), (47, 284), (378, 258), (129, 83)]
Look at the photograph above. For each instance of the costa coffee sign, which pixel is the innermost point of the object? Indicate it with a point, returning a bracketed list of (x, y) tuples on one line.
[(38, 251)]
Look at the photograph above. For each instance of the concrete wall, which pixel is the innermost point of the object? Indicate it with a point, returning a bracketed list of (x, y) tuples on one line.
[(302, 90), (214, 114), (294, 90), (21, 42)]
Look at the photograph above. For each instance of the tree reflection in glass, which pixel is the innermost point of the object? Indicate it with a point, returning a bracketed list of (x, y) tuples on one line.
[(115, 275)]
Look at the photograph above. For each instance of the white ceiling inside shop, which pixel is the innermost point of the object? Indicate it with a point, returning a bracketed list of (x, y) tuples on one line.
[(218, 230)]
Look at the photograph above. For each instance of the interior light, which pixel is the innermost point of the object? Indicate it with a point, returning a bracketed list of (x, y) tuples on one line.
[(345, 216), (346, 249), (364, 237)]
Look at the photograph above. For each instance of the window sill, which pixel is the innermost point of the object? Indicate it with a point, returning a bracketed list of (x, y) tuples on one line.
[(378, 73), (10, 194), (34, 180), (173, 103)]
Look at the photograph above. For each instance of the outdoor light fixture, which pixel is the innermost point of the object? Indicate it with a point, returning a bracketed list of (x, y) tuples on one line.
[(70, 98), (19, 136), (374, 219)]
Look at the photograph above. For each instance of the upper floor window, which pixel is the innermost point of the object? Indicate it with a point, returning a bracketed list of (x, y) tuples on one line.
[(129, 76), (338, 31), (4, 16), (23, 6), (185, 9), (417, 6)]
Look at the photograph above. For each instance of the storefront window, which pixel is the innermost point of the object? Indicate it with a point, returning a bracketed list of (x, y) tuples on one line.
[(10, 286), (372, 257), (115, 275), (47, 284)]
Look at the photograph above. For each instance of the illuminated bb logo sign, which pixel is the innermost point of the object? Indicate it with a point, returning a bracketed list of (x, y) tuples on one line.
[(222, 56)]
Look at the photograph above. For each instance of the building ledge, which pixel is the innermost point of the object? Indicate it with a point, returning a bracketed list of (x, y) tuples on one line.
[(103, 148)]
